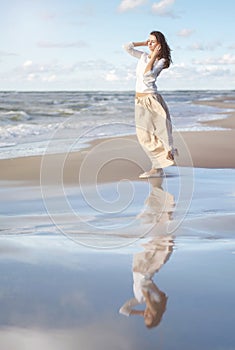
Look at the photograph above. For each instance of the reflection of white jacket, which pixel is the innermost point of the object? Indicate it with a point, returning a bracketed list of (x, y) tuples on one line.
[(145, 264), (140, 284)]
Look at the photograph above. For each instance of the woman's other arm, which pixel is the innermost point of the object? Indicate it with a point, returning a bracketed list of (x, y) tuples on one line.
[(130, 48)]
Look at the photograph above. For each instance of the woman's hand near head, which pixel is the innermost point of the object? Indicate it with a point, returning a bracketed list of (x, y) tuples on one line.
[(157, 49), (155, 54)]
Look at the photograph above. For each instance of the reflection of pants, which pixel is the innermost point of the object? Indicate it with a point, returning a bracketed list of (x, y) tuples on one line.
[(153, 128), (156, 253)]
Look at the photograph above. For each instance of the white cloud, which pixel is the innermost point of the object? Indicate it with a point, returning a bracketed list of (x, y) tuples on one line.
[(27, 64), (57, 68), (6, 53), (184, 75), (197, 46), (213, 71), (37, 77), (130, 76), (49, 78), (30, 71), (31, 77), (126, 5), (226, 59), (197, 72), (163, 8), (178, 71), (185, 32), (55, 71), (121, 74), (111, 76), (51, 45), (94, 65), (204, 47)]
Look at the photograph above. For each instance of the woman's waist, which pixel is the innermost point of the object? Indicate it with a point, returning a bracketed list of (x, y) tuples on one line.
[(143, 94)]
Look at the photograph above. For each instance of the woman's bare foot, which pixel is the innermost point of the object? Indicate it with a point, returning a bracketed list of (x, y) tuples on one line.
[(152, 173), (170, 155)]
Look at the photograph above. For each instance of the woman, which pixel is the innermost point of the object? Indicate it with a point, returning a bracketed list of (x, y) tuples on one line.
[(153, 123)]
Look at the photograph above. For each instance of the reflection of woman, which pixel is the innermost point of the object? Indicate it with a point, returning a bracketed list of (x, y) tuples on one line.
[(153, 123), (158, 210), (159, 205), (145, 264)]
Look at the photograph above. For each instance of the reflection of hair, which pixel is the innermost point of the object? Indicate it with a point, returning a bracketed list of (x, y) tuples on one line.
[(159, 309), (165, 51)]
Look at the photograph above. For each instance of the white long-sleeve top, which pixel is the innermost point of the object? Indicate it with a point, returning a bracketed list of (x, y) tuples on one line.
[(145, 264), (145, 82), (141, 283)]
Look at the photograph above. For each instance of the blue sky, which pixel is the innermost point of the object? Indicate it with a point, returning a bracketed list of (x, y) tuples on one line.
[(77, 45)]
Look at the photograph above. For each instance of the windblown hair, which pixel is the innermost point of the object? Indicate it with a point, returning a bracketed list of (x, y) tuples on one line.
[(160, 308), (165, 51)]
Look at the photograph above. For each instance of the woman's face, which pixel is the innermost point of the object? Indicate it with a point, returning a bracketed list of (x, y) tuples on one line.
[(152, 42), (148, 317)]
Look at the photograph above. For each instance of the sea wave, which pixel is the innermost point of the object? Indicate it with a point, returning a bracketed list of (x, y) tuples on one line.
[(28, 120), (14, 116)]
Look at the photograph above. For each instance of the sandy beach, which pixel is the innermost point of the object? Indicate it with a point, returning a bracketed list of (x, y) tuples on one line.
[(209, 149), (82, 237)]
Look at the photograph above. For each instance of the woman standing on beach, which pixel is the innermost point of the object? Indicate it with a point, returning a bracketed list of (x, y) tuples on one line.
[(153, 123)]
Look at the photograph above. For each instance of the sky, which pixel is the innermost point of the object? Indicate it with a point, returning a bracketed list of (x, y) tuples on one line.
[(78, 45)]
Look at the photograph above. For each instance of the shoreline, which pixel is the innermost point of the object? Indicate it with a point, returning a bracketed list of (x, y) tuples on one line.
[(208, 149), (200, 149)]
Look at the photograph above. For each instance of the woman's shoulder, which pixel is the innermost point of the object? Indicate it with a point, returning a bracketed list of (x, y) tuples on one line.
[(161, 60)]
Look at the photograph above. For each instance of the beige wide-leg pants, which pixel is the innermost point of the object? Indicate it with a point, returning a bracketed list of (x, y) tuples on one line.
[(153, 129)]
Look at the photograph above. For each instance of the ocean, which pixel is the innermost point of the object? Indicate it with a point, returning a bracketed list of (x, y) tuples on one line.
[(29, 121)]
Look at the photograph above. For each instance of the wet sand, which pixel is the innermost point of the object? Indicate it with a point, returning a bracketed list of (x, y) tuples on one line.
[(76, 249)]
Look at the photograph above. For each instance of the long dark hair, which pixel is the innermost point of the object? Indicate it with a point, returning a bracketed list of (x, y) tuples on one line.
[(165, 51)]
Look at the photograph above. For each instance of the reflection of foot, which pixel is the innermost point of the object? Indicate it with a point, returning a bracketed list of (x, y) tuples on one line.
[(152, 173)]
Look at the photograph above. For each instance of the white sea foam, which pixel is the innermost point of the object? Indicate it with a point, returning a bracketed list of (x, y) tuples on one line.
[(29, 120)]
